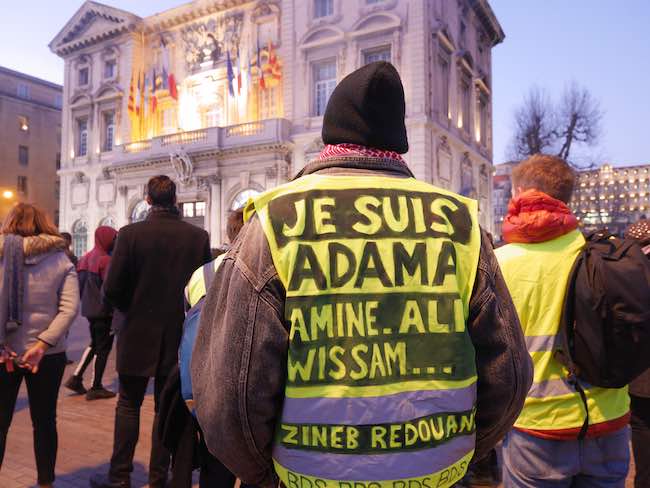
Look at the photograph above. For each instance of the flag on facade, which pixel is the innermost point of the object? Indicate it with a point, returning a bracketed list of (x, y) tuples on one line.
[(259, 66), (168, 75), (230, 74), (249, 73), (272, 68), (138, 97), (239, 72), (154, 100), (131, 104)]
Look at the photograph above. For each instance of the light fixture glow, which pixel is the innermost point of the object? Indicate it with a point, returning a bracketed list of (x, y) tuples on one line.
[(8, 194)]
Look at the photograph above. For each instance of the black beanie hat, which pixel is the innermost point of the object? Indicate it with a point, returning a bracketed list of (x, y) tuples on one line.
[(368, 108)]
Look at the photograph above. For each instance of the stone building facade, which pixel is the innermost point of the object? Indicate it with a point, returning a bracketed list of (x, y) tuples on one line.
[(612, 196), (30, 141), (240, 88)]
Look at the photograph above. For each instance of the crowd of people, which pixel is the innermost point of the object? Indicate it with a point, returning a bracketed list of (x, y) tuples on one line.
[(359, 331)]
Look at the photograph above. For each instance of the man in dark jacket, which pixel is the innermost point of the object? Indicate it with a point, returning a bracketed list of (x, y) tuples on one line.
[(336, 417), (92, 270), (151, 264)]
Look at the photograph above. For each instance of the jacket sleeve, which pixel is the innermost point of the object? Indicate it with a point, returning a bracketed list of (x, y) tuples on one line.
[(68, 295), (239, 359), (504, 367), (116, 290), (207, 252)]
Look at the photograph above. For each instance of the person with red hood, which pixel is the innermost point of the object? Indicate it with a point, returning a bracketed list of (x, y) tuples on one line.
[(555, 442), (92, 270)]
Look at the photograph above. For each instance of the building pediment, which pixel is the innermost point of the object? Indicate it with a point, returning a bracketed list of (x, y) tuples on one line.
[(92, 23)]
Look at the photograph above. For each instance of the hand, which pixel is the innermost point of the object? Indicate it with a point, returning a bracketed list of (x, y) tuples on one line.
[(6, 357), (32, 357)]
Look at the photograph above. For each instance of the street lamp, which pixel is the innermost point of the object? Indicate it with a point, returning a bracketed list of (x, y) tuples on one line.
[(7, 194)]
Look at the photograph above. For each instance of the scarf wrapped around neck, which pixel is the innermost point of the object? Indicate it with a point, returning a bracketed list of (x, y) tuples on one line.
[(535, 216), (13, 285)]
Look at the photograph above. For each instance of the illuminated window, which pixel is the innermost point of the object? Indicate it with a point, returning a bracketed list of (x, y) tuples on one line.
[(465, 96), (443, 66), (242, 197), (140, 211), (323, 8), (79, 237), (482, 118), (376, 54), (193, 209), (324, 84), (82, 137), (23, 123), (109, 131)]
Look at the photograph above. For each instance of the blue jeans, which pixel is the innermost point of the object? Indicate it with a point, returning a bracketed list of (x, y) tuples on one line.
[(531, 462)]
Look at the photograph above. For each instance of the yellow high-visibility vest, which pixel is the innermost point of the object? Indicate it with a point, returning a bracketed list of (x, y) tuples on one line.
[(381, 374), (537, 276)]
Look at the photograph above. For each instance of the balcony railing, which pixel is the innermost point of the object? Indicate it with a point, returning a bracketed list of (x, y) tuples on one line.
[(251, 133)]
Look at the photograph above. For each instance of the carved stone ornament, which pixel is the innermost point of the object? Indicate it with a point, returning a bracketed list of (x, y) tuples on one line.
[(205, 43), (182, 166)]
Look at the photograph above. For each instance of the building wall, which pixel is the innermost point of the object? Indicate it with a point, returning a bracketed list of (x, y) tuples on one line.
[(30, 116), (612, 197), (270, 134)]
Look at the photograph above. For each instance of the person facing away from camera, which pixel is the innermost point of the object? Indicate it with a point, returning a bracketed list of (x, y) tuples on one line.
[(547, 446), (39, 299), (151, 263), (359, 329)]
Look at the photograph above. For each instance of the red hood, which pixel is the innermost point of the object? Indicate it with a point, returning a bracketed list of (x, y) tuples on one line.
[(535, 216), (97, 260)]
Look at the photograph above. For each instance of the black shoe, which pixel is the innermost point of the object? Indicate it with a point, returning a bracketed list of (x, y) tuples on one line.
[(99, 394), (102, 480), (74, 383)]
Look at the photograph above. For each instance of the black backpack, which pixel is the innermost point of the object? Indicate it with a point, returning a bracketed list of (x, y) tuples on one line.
[(606, 313)]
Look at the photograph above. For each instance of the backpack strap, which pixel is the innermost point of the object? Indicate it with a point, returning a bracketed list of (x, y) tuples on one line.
[(578, 387)]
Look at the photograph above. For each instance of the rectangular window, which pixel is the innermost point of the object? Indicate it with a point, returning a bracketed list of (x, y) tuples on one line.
[(58, 101), (323, 8), (483, 118), (82, 137), (376, 54), (373, 1), (324, 84), (23, 123), (110, 67), (199, 209), (465, 96), (58, 160), (23, 155), (109, 131), (22, 185), (443, 66), (268, 103), (83, 76), (23, 91)]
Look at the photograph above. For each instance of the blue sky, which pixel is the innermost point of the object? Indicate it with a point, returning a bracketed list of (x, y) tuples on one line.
[(602, 44)]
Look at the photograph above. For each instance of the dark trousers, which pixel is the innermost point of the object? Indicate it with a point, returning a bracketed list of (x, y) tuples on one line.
[(127, 428), (640, 423), (42, 392), (212, 472), (101, 342)]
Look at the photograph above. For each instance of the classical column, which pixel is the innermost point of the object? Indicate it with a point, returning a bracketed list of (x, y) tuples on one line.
[(215, 212)]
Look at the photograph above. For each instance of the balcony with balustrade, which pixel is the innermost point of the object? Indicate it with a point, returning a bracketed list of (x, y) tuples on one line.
[(224, 139)]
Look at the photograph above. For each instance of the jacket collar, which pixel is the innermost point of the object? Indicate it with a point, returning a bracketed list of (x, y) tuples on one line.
[(37, 245), (357, 162), (156, 213)]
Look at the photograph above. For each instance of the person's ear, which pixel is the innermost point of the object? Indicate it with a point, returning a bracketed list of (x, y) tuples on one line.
[(148, 199)]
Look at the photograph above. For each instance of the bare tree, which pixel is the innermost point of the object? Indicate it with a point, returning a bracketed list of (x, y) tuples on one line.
[(541, 126), (579, 117), (534, 124)]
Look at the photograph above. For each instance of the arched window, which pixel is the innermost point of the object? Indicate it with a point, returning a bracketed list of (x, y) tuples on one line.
[(80, 237), (242, 197), (108, 221), (140, 211)]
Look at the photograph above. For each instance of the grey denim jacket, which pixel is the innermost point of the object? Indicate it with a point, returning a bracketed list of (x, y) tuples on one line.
[(240, 356)]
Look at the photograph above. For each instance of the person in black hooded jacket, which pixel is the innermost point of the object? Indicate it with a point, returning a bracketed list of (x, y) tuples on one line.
[(92, 270)]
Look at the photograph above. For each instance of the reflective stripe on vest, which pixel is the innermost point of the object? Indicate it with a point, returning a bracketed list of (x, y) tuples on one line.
[(381, 375), (537, 276)]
